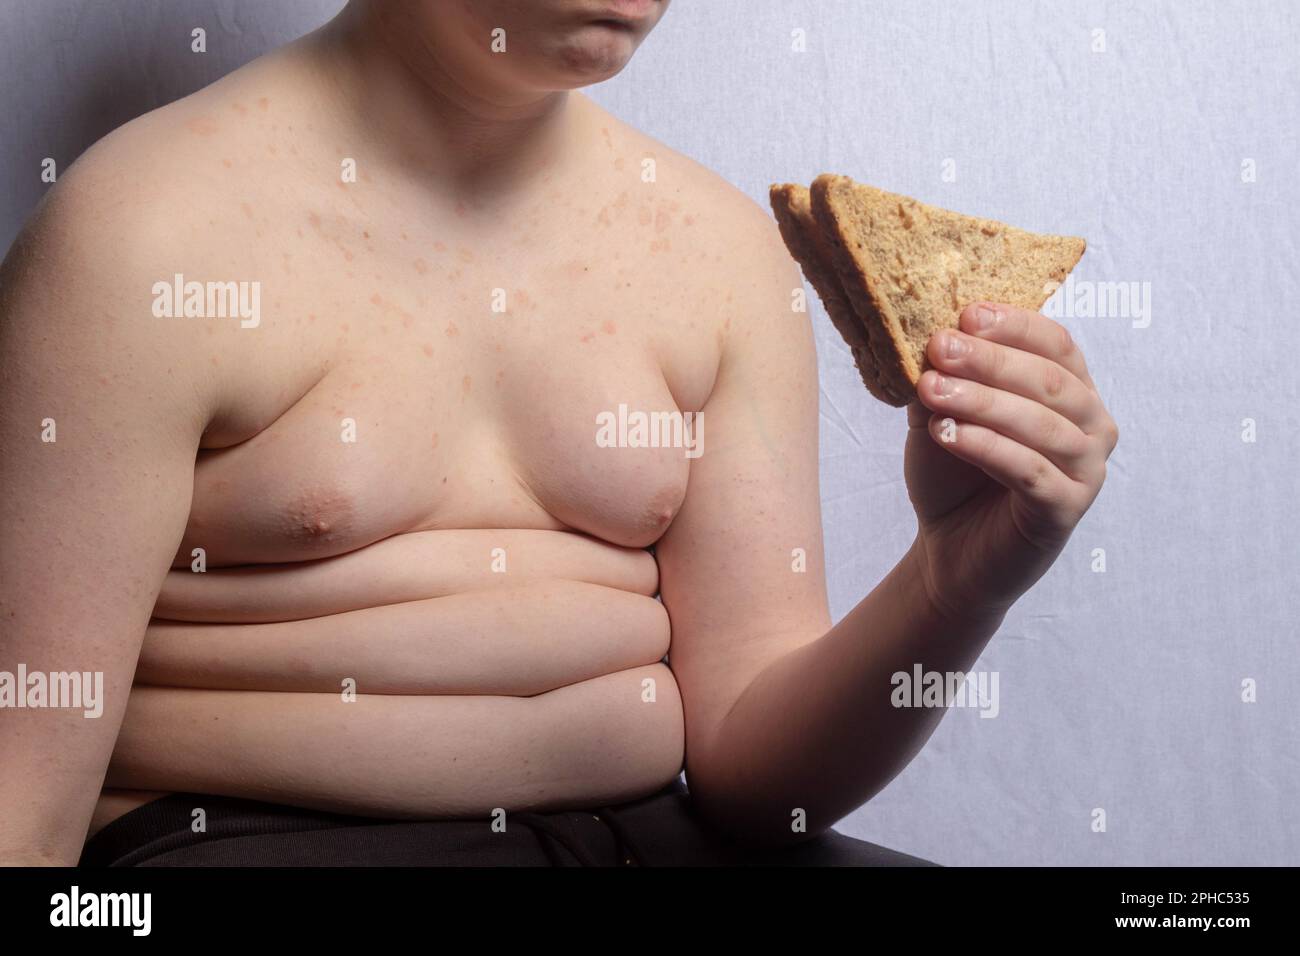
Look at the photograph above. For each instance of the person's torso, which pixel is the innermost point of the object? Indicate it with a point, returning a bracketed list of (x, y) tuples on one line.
[(426, 370)]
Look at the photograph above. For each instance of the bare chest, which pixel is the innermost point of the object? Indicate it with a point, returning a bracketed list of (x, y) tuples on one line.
[(399, 382)]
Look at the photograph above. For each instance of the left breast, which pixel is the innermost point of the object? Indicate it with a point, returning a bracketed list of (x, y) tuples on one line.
[(617, 473)]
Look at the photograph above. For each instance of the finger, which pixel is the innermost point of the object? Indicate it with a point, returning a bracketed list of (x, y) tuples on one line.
[(1026, 330), (918, 416), (1018, 468), (1020, 419), (1040, 379)]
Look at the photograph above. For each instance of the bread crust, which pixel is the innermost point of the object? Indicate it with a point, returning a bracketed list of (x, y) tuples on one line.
[(883, 336), (802, 236)]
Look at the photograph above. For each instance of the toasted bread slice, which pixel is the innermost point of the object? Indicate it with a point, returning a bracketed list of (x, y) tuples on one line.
[(793, 209), (908, 269)]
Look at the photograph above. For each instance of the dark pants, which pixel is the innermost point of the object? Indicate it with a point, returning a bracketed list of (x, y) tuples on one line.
[(659, 830)]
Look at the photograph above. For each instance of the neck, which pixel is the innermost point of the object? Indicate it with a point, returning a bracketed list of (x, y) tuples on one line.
[(447, 115)]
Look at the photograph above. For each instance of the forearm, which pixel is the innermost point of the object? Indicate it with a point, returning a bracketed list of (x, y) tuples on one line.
[(816, 730), (49, 783)]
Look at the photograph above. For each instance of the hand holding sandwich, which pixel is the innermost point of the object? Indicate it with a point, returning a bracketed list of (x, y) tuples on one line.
[(1017, 443), (1006, 450)]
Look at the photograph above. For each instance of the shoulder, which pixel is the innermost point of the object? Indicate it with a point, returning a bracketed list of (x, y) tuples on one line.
[(732, 243), (728, 218), (144, 203), (155, 184)]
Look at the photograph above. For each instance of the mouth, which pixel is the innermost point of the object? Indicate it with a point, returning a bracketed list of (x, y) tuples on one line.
[(623, 14), (610, 23)]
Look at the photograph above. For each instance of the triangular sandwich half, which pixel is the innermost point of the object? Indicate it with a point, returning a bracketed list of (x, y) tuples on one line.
[(901, 269)]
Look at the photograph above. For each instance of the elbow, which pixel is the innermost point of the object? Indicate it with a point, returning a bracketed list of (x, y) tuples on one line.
[(747, 813)]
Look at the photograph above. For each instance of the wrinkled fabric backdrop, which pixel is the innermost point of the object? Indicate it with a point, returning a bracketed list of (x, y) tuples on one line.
[(1163, 132)]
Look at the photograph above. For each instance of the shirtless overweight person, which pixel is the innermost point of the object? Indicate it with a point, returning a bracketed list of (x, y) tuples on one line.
[(379, 560)]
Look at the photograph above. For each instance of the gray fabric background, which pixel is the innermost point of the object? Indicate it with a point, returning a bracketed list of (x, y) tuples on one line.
[(1120, 690)]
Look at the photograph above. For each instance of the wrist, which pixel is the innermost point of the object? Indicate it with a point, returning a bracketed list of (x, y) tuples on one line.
[(942, 599)]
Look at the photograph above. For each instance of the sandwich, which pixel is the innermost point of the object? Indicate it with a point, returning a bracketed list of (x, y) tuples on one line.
[(891, 270)]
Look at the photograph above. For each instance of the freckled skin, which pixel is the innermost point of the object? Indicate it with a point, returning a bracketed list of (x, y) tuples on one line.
[(597, 316)]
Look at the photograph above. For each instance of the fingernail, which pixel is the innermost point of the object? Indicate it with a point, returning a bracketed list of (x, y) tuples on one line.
[(943, 386), (985, 318), (956, 346)]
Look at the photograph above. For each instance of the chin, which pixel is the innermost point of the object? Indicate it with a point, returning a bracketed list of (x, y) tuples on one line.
[(591, 55)]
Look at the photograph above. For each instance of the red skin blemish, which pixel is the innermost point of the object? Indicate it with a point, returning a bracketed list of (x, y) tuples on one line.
[(428, 351), (608, 327), (376, 299), (421, 266), (440, 246), (451, 330), (263, 103)]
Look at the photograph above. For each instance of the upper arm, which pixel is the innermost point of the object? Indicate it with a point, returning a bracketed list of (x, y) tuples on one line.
[(100, 416), (741, 566)]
